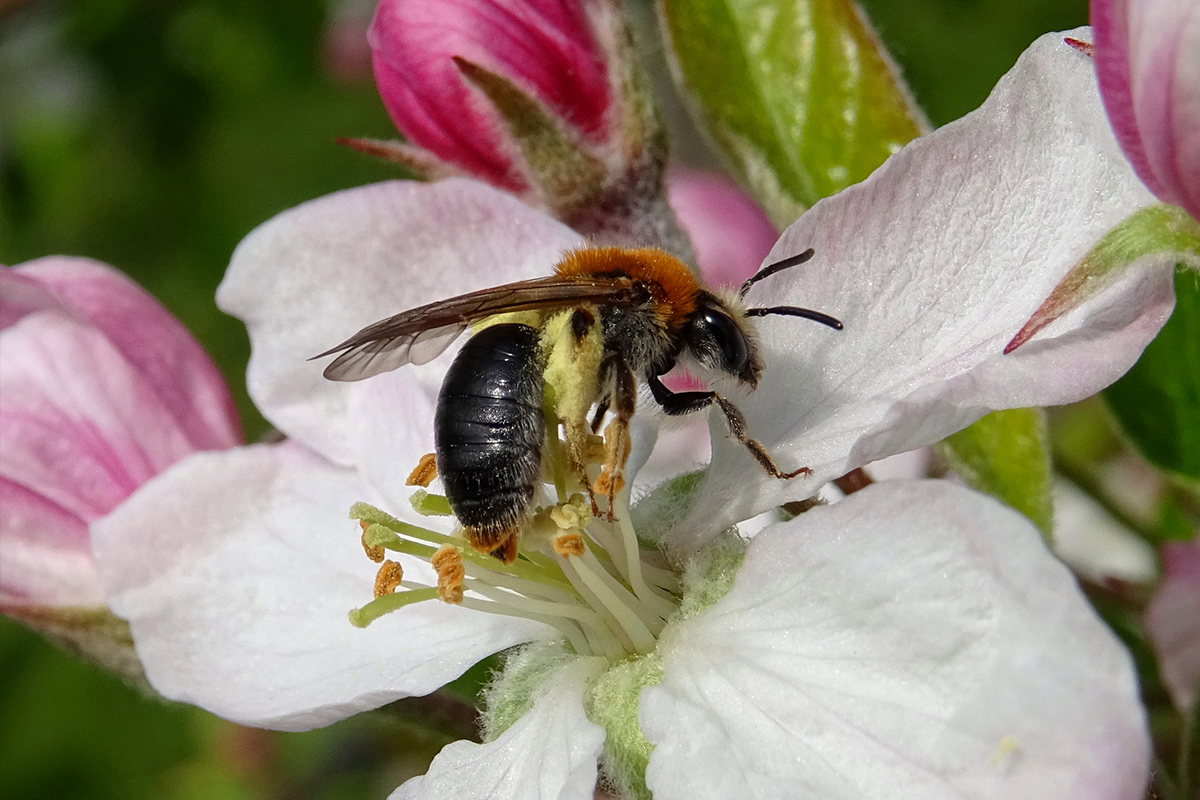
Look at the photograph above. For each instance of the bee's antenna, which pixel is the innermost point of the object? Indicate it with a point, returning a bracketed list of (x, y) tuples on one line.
[(793, 311), (771, 269)]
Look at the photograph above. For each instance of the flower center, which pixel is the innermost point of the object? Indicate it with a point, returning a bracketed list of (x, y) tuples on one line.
[(583, 574)]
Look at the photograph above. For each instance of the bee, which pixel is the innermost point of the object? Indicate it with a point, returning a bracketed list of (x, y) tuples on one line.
[(575, 341)]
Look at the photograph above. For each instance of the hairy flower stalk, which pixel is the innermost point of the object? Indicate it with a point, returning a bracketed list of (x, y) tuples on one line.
[(585, 575)]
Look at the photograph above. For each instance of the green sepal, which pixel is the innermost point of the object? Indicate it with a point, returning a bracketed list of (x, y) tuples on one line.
[(1157, 403), (93, 632), (1153, 230), (799, 95), (559, 164), (1006, 454), (663, 507)]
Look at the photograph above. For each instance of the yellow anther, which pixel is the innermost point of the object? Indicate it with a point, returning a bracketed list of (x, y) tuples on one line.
[(569, 544), (373, 551), (388, 578), (447, 562), (424, 472)]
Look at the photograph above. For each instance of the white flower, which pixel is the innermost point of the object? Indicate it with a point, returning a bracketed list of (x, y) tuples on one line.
[(914, 640)]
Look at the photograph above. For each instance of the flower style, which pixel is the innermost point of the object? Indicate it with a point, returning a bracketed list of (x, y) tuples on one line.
[(912, 640), (101, 389), (1148, 65)]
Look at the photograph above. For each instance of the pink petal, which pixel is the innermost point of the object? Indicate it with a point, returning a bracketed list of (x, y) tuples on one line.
[(80, 425), (730, 233), (1173, 621), (545, 46), (45, 555), (169, 359), (1148, 64), (100, 390)]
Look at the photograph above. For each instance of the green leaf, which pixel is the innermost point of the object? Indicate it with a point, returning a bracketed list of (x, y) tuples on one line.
[(799, 94), (1157, 403), (1006, 454)]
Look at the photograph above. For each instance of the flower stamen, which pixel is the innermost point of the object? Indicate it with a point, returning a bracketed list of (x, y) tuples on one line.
[(388, 577), (424, 472)]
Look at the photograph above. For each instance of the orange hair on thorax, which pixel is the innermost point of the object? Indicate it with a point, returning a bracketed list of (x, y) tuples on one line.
[(677, 287)]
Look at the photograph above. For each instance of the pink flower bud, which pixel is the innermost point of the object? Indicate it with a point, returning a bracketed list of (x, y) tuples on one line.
[(546, 47), (1148, 63), (101, 389)]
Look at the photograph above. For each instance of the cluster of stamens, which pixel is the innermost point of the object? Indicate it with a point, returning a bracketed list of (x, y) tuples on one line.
[(581, 572)]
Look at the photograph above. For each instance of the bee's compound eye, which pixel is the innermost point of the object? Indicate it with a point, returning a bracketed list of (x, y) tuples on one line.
[(735, 352)]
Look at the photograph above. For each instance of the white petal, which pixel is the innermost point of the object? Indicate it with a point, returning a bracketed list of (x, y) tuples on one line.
[(550, 753), (914, 640), (314, 275), (933, 264), (236, 571)]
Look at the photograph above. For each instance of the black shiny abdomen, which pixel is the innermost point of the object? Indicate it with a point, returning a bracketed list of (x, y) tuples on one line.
[(488, 428)]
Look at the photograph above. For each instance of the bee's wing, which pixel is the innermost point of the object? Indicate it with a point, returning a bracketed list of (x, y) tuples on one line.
[(420, 335)]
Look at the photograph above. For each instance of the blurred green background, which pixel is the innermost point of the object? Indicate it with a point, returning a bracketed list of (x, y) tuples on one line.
[(153, 135)]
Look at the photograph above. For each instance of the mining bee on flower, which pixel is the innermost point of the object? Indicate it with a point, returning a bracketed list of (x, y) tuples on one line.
[(571, 344)]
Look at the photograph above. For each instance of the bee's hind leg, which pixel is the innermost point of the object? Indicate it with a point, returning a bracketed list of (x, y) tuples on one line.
[(678, 403), (620, 393)]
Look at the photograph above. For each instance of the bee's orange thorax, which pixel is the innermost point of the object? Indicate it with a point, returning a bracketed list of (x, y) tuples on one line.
[(677, 287)]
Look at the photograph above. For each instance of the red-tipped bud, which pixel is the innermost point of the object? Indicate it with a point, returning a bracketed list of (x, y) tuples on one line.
[(546, 48)]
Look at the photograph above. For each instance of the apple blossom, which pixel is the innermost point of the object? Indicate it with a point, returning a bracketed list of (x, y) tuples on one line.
[(913, 640), (1148, 65), (100, 390)]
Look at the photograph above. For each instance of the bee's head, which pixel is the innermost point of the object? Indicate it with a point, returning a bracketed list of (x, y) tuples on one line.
[(720, 337)]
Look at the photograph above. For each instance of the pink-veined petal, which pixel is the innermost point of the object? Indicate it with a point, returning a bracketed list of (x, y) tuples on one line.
[(45, 557), (236, 571), (80, 425), (550, 753), (1148, 65), (933, 264), (314, 275), (153, 341), (915, 640)]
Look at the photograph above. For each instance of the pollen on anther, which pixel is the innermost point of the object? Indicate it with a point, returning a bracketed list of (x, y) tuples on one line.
[(373, 551), (424, 472), (447, 562), (569, 544), (388, 578)]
